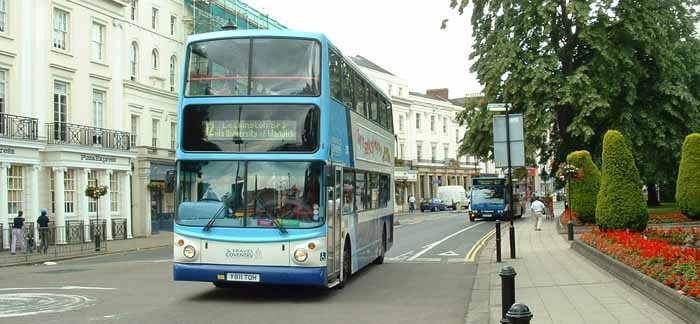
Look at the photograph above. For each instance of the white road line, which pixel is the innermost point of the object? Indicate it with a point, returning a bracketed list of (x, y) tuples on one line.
[(427, 260), (432, 245), (402, 256), (58, 288)]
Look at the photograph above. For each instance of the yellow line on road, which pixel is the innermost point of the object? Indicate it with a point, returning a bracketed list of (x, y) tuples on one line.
[(471, 256)]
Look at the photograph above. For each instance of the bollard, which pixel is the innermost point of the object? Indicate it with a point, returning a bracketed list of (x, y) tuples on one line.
[(498, 241), (519, 314), (507, 291), (511, 231), (570, 229)]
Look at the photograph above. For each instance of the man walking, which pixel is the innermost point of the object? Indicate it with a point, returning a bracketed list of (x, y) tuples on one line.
[(17, 233), (43, 222), (538, 211), (412, 203)]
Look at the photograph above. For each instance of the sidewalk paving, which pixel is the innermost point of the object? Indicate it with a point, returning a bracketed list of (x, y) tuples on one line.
[(163, 239), (557, 284)]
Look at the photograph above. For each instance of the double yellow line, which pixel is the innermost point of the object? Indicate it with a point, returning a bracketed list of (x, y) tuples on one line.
[(474, 252)]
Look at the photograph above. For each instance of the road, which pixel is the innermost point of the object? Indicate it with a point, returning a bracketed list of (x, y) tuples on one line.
[(425, 280)]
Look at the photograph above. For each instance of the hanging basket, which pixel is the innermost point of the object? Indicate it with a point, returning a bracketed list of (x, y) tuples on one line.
[(95, 192), (156, 186)]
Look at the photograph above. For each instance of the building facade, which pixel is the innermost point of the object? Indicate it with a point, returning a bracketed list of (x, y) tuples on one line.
[(428, 138)]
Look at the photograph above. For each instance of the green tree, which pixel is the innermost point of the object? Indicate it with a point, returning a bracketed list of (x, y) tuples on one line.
[(688, 190), (583, 192), (579, 67), (621, 202)]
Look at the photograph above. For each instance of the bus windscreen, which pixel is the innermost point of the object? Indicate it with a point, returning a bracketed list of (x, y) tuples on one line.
[(254, 67)]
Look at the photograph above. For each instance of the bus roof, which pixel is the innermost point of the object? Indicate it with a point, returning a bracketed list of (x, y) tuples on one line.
[(255, 33)]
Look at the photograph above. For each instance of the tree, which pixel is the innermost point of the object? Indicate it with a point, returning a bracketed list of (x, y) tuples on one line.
[(620, 203), (576, 68), (688, 190), (583, 190)]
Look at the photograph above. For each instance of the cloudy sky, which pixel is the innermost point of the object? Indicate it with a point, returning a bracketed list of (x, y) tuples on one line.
[(402, 36)]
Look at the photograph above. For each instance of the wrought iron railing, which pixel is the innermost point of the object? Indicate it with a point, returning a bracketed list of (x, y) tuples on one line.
[(73, 134), (435, 161), (19, 127)]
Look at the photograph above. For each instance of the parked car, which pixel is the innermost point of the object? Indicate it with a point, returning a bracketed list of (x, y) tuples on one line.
[(432, 205)]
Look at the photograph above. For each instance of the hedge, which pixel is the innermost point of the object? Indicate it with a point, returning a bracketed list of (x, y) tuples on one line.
[(688, 184), (621, 203), (583, 192)]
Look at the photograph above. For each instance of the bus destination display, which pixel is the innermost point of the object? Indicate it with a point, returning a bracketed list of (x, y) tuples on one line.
[(257, 130)]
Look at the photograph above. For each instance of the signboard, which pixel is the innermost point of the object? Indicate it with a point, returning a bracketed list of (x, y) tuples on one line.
[(517, 141), (405, 175), (371, 146), (98, 158), (256, 130), (7, 150)]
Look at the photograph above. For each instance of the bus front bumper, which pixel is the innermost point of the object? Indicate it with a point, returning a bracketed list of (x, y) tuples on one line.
[(307, 276)]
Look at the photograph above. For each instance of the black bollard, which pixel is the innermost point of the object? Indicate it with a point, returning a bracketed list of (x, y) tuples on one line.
[(511, 231), (507, 291), (519, 314), (570, 228), (498, 241)]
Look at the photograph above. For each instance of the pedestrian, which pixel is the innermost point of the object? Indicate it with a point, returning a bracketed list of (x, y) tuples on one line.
[(412, 203), (17, 233), (43, 222), (538, 211)]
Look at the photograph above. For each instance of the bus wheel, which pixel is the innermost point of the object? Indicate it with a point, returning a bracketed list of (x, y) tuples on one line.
[(347, 265), (380, 259)]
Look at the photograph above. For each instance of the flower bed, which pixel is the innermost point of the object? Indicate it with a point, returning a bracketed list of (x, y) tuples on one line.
[(655, 218), (567, 215), (657, 253)]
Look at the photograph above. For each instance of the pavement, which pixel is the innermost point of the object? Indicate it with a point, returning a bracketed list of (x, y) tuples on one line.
[(556, 283), (163, 239)]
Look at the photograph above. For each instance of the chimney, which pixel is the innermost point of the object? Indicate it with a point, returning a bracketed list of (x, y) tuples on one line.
[(443, 93)]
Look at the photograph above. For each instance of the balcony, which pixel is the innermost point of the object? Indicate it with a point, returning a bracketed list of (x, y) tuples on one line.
[(19, 127), (72, 134)]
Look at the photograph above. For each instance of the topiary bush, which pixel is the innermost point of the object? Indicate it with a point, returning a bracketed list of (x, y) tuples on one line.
[(583, 191), (621, 203), (688, 184)]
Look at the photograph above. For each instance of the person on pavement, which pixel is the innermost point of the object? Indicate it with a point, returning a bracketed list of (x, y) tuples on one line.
[(538, 211), (17, 233), (412, 203), (43, 222)]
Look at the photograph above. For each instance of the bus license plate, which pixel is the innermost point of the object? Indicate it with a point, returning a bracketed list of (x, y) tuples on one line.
[(247, 277)]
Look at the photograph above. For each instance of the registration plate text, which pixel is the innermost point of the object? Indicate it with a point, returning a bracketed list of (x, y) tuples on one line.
[(246, 277)]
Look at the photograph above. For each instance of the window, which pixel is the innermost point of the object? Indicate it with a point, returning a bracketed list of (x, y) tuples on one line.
[(173, 135), (444, 125), (173, 23), (417, 120), (134, 130), (360, 96), (154, 18), (400, 91), (432, 123), (154, 59), (69, 190), (60, 110), (374, 190), (361, 201), (419, 149), (402, 151), (92, 181), (348, 93), (336, 73), (134, 60), (60, 29), (3, 91), (384, 191), (173, 62), (401, 123), (114, 192), (134, 9), (373, 108), (3, 15), (154, 138), (446, 151), (15, 189), (457, 135), (433, 152), (98, 106), (98, 42), (348, 191)]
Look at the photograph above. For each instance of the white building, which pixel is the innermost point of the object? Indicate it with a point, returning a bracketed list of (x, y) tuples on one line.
[(428, 138)]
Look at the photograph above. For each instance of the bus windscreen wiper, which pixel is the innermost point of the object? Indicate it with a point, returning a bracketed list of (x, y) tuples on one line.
[(211, 221), (280, 227)]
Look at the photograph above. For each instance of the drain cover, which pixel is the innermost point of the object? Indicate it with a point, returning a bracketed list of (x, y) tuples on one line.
[(25, 304)]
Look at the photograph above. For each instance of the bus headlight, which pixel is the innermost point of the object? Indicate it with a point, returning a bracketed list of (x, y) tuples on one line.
[(189, 252), (300, 255)]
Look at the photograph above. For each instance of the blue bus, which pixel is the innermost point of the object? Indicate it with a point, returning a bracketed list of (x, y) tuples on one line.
[(489, 199), (284, 162)]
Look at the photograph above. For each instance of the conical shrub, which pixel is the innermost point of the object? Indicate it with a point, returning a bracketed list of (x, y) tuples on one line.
[(621, 203), (583, 191), (688, 184)]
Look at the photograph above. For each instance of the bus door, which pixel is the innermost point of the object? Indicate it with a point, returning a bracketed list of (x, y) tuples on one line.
[(334, 182)]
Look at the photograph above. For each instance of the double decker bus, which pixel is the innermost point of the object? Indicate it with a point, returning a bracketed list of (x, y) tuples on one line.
[(284, 162)]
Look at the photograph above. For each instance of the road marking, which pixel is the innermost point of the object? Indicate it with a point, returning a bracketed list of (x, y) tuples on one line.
[(59, 288), (402, 256), (455, 260), (427, 260), (471, 255), (430, 246), (26, 304), (448, 253)]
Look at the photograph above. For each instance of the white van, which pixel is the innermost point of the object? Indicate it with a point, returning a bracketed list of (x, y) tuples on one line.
[(452, 195)]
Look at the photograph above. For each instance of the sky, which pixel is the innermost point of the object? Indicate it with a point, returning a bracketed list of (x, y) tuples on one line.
[(402, 36)]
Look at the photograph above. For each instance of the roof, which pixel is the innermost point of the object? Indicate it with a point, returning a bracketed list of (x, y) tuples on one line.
[(423, 95), (364, 62)]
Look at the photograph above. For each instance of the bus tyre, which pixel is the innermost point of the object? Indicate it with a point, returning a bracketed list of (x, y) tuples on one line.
[(347, 265), (380, 258)]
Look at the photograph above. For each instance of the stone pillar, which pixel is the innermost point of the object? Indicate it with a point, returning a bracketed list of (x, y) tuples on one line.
[(34, 208), (105, 202), (117, 94), (27, 63), (59, 204), (3, 203), (125, 187), (84, 202)]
